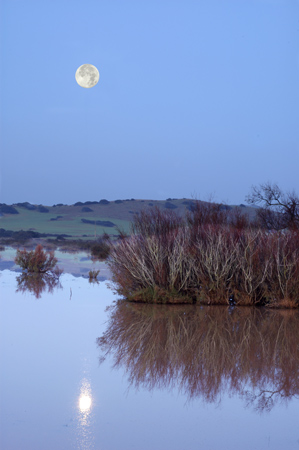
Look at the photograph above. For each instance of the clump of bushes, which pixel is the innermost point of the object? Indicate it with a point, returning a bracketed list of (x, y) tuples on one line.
[(42, 209), (7, 209), (102, 223), (101, 249), (169, 205), (37, 260), (26, 205), (213, 256), (56, 218)]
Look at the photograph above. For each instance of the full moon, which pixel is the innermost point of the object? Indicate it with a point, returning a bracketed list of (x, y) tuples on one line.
[(87, 76)]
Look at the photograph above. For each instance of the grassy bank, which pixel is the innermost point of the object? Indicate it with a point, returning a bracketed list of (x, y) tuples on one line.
[(210, 256)]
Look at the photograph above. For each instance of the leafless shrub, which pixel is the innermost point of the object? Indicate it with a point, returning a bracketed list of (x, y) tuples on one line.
[(238, 219), (285, 268), (249, 281), (214, 262), (205, 213), (279, 210), (168, 259), (156, 222)]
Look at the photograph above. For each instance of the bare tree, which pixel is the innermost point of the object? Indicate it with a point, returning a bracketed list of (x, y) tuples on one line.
[(279, 210)]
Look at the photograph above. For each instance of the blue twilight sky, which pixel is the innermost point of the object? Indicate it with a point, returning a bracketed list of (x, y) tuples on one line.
[(195, 98)]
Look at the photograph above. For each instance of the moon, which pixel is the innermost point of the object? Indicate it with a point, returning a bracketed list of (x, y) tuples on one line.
[(87, 75)]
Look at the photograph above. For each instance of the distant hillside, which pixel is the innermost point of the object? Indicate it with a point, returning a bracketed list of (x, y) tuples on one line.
[(89, 219)]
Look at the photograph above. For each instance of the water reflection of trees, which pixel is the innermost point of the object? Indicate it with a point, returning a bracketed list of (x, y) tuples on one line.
[(207, 351), (37, 283)]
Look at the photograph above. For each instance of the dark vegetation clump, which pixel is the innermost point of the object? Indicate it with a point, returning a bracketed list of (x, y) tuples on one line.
[(9, 237), (7, 209), (42, 209), (118, 201), (104, 202), (98, 248), (214, 255), (101, 249), (86, 203), (37, 260), (56, 218), (19, 236), (27, 205), (169, 205), (60, 237), (225, 207), (102, 223), (86, 209)]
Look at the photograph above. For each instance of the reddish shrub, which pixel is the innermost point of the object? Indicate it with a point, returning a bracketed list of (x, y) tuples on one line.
[(167, 259), (36, 261)]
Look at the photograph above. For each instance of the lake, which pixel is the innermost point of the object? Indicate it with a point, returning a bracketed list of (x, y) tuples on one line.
[(81, 369)]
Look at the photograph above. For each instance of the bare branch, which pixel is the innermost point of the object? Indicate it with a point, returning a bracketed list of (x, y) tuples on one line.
[(279, 210)]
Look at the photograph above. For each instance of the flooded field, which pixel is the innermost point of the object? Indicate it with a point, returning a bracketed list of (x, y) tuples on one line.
[(77, 263), (82, 370)]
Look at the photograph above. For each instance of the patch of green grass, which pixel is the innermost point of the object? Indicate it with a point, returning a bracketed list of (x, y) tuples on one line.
[(27, 220), (68, 224)]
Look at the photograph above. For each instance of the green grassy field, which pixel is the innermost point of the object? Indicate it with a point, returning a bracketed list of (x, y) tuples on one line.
[(120, 213), (68, 224)]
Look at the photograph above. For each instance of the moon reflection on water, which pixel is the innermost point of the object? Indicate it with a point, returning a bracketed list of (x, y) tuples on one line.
[(84, 403), (85, 436)]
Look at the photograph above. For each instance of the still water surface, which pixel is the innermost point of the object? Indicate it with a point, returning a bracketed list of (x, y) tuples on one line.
[(82, 370)]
